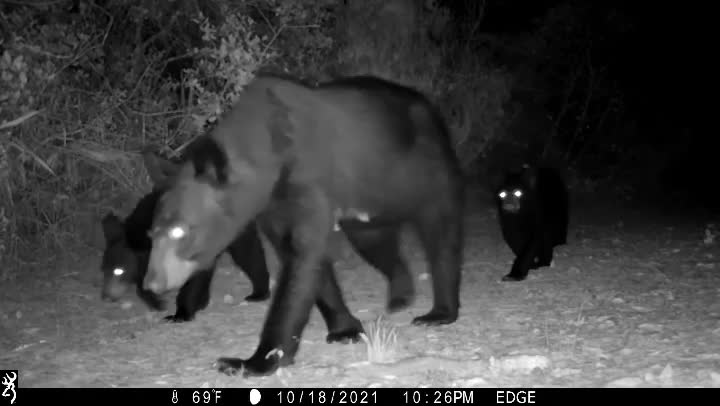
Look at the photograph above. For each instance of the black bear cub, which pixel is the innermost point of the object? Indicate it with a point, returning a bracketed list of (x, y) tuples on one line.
[(127, 253), (533, 210)]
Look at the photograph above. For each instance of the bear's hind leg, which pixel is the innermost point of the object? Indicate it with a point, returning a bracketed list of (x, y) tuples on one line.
[(380, 247), (442, 239)]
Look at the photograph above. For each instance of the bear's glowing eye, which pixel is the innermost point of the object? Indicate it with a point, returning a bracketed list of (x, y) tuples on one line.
[(502, 194), (517, 193), (118, 271), (176, 233)]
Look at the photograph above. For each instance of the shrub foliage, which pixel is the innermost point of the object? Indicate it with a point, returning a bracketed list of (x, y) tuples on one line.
[(87, 84)]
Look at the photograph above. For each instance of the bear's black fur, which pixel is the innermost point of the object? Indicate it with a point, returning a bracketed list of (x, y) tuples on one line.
[(128, 246), (362, 152), (533, 210)]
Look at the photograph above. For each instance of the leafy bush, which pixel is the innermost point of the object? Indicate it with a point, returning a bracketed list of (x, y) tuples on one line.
[(85, 86)]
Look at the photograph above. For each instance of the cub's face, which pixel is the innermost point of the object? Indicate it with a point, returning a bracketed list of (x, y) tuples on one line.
[(512, 194), (120, 264), (120, 271), (511, 199), (516, 191)]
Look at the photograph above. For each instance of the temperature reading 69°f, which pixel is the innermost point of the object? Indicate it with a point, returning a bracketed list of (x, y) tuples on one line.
[(206, 396)]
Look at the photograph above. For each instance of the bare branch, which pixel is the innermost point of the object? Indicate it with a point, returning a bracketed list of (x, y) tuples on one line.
[(563, 110), (32, 3), (586, 105), (19, 120)]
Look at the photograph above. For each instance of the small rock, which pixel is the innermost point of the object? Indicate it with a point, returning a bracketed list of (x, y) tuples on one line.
[(126, 305), (607, 324), (521, 363), (424, 276), (470, 383), (228, 299), (655, 328), (562, 372), (628, 382)]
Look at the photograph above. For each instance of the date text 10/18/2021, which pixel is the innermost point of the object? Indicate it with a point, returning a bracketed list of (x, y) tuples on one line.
[(416, 396)]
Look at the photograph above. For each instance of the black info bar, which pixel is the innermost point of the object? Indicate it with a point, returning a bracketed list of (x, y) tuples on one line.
[(356, 396)]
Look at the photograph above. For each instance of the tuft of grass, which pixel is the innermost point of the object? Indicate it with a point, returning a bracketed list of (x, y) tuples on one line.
[(380, 338)]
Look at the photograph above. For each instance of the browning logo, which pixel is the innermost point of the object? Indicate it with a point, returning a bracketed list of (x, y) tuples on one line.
[(9, 381)]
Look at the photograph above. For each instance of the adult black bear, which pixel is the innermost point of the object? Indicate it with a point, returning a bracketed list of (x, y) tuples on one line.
[(127, 252), (533, 210), (368, 154)]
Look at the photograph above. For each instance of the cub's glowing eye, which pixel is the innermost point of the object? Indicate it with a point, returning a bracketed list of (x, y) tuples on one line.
[(176, 233), (118, 271), (502, 194), (517, 193)]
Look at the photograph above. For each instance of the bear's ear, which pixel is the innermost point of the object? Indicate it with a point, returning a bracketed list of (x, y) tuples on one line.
[(161, 170), (209, 160), (113, 227)]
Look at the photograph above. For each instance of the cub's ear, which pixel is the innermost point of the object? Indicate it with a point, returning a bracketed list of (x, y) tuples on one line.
[(162, 171), (530, 176), (113, 227)]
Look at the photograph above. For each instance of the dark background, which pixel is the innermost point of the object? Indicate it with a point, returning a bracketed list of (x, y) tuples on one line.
[(611, 92)]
